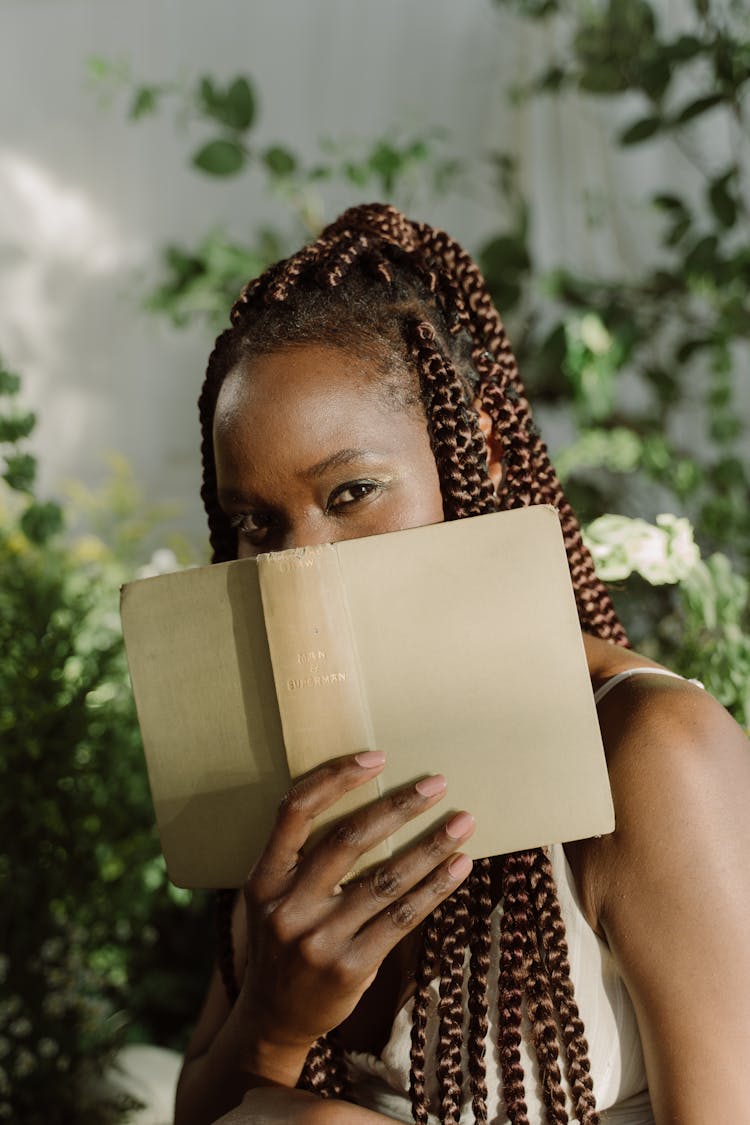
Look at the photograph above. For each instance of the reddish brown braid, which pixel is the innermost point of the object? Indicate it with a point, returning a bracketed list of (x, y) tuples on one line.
[(513, 929), (480, 944), (555, 952), (432, 931), (450, 1009), (411, 299)]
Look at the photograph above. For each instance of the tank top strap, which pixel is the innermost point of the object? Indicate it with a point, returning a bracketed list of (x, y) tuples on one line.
[(613, 681)]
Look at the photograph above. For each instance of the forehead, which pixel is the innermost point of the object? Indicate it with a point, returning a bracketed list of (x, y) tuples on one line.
[(317, 382), (302, 401)]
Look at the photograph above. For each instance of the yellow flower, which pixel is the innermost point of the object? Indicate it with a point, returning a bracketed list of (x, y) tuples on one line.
[(88, 549), (17, 543)]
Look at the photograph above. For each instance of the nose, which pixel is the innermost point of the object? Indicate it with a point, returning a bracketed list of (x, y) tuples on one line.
[(308, 531)]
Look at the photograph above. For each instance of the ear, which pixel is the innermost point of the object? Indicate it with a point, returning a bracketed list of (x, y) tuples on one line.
[(494, 447)]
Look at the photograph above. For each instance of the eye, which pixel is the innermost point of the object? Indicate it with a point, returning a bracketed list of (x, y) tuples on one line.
[(351, 492), (253, 526)]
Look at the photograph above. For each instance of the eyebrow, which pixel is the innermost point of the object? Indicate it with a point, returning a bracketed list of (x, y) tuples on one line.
[(336, 460)]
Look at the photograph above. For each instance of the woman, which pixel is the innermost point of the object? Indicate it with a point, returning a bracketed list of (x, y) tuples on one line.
[(367, 385)]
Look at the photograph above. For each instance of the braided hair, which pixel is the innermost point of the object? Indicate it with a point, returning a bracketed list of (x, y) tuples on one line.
[(411, 299)]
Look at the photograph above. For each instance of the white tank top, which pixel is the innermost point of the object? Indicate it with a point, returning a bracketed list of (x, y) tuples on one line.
[(617, 1067)]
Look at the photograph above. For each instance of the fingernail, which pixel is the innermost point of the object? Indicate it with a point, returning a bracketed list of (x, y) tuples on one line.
[(431, 786), (460, 867), (369, 759), (461, 825)]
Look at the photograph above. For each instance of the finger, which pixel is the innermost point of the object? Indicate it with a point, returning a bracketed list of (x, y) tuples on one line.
[(308, 797), (379, 888), (382, 933), (354, 835)]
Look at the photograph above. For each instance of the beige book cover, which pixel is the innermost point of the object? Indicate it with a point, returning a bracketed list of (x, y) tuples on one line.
[(455, 648)]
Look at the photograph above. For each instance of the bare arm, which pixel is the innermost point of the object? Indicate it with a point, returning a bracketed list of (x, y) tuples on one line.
[(293, 1107), (313, 948), (670, 890)]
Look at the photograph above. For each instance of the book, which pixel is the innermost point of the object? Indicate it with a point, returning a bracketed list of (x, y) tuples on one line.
[(455, 648)]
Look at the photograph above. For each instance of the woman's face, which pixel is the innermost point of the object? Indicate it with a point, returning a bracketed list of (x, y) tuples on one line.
[(312, 447)]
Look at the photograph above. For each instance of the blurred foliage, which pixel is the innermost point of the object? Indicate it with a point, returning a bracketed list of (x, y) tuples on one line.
[(677, 335), (205, 280), (706, 631), (95, 944), (680, 331)]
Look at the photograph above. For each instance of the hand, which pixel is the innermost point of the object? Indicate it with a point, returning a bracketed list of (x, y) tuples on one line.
[(314, 946)]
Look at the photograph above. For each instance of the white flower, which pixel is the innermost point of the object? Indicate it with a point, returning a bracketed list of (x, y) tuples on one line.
[(662, 553), (163, 561)]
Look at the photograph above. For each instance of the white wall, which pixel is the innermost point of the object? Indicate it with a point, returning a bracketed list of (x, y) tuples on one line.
[(87, 199)]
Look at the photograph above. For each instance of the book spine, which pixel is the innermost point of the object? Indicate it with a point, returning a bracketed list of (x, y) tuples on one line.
[(319, 686)]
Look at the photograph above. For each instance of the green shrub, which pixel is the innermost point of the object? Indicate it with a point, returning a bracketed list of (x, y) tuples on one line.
[(95, 947)]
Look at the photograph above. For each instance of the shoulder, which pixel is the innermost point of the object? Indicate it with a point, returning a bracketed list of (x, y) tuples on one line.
[(669, 889), (679, 768)]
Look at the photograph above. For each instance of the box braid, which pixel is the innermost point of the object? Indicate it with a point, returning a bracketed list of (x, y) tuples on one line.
[(409, 298)]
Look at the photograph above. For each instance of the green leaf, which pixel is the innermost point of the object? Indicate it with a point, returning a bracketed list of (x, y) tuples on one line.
[(240, 104), (532, 9), (10, 384), (220, 158), (678, 231), (551, 79), (697, 107), (41, 521), (506, 294), (386, 162), (601, 78), (418, 150), (723, 203), (279, 161), (640, 130), (730, 62), (15, 427), (653, 76), (505, 262), (208, 94), (689, 347), (234, 107), (505, 254), (355, 173), (20, 471), (702, 258), (670, 203), (664, 281), (144, 102), (685, 47), (550, 358)]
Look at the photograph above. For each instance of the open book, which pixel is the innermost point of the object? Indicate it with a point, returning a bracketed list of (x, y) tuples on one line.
[(455, 648)]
